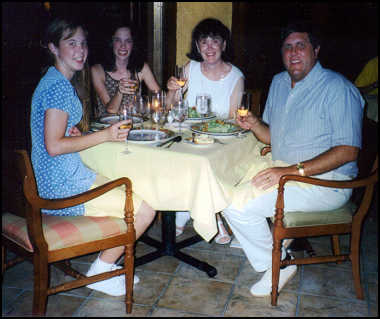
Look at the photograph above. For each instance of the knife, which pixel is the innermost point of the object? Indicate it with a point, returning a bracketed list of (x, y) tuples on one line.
[(174, 139)]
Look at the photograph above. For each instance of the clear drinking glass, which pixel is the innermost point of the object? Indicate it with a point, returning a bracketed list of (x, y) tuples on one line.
[(202, 103), (125, 113), (179, 111), (181, 78)]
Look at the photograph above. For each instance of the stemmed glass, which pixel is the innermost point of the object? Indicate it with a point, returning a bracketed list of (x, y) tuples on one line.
[(181, 78), (158, 114), (244, 105), (179, 111), (125, 113), (243, 109)]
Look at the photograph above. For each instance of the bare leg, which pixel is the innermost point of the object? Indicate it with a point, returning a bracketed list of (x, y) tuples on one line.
[(143, 219)]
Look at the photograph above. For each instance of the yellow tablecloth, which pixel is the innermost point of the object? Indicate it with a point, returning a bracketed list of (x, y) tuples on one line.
[(201, 179), (183, 177)]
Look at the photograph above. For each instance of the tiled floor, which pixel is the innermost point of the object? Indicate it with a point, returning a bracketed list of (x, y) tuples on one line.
[(169, 288)]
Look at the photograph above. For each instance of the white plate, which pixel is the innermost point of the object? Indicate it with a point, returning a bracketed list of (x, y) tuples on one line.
[(109, 120), (207, 117), (144, 136)]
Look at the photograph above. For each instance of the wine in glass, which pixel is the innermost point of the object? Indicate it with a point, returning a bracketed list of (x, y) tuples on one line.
[(244, 105), (136, 87), (181, 78)]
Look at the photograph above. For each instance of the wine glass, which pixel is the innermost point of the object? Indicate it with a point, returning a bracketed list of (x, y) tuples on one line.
[(125, 113), (158, 114), (244, 105), (136, 87), (179, 111), (243, 109), (181, 79)]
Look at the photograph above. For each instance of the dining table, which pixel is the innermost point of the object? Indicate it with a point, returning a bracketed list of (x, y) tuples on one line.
[(186, 176)]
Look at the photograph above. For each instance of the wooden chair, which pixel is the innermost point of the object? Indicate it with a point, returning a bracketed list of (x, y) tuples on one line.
[(344, 220), (47, 239)]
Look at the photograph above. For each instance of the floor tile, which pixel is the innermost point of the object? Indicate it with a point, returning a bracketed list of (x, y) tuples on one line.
[(327, 282), (58, 305), (200, 296), (321, 306), (110, 308), (227, 265), (168, 313), (243, 304)]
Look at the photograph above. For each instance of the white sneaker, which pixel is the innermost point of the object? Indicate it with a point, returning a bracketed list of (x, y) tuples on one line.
[(263, 288), (114, 286)]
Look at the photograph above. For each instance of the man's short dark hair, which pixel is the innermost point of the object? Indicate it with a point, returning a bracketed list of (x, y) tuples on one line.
[(301, 27)]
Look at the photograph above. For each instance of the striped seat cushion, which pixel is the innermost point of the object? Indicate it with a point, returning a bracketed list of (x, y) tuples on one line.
[(63, 231)]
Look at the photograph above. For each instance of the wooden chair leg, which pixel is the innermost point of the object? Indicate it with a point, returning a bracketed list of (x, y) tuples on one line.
[(129, 277), (355, 261), (335, 246), (276, 259), (41, 284)]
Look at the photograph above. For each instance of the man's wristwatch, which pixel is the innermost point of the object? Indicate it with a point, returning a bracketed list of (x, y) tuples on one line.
[(300, 168)]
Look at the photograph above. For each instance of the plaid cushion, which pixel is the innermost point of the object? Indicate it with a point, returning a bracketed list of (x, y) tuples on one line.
[(63, 231)]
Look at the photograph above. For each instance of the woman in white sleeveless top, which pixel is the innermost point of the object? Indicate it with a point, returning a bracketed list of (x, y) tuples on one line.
[(210, 71)]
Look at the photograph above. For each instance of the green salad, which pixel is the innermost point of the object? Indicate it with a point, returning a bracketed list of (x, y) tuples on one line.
[(219, 126), (192, 112)]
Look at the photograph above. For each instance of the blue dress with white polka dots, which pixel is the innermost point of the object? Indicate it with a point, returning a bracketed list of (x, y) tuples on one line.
[(62, 175)]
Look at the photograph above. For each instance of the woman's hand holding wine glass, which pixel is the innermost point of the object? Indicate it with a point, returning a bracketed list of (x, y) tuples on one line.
[(180, 78)]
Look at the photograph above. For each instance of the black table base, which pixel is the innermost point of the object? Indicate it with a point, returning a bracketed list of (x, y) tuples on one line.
[(169, 247)]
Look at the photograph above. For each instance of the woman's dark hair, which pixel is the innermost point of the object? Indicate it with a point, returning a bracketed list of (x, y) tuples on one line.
[(213, 28), (55, 30), (301, 27), (136, 58)]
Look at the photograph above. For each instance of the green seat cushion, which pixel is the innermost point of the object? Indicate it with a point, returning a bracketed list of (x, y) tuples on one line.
[(340, 215)]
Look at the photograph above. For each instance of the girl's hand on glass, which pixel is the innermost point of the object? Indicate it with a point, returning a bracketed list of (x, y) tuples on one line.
[(119, 131), (74, 131), (173, 84), (127, 86)]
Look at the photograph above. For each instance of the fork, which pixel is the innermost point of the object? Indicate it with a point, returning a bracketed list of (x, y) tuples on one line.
[(218, 141)]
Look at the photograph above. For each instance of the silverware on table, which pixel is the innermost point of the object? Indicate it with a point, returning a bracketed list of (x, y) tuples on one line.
[(175, 139), (219, 141)]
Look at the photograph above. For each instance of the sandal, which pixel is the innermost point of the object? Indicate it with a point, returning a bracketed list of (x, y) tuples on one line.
[(222, 238)]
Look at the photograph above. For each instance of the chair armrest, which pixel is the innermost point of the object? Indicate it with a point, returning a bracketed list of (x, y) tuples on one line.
[(355, 183), (59, 203)]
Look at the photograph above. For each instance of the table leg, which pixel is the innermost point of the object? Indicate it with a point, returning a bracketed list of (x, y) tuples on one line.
[(169, 247)]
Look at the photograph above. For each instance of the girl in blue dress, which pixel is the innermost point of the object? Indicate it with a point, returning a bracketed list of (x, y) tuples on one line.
[(56, 143)]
